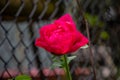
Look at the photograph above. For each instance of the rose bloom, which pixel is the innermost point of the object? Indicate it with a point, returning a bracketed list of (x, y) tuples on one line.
[(61, 37)]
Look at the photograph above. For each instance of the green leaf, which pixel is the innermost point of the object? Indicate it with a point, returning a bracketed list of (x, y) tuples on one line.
[(84, 47), (69, 59), (23, 77), (55, 64), (59, 61)]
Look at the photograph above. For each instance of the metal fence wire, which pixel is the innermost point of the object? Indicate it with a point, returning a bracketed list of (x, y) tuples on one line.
[(20, 21)]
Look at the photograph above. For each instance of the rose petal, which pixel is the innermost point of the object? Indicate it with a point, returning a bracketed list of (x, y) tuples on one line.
[(80, 41), (68, 20)]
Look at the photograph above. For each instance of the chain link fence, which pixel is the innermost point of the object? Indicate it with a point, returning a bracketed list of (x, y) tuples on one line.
[(20, 21)]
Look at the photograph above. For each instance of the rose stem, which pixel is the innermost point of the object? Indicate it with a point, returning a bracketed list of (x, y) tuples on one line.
[(67, 68)]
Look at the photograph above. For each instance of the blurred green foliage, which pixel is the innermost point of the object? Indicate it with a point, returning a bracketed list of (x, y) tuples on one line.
[(94, 20), (104, 35), (96, 23), (22, 77)]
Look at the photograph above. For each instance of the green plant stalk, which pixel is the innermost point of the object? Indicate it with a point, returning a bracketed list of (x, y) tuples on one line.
[(67, 68)]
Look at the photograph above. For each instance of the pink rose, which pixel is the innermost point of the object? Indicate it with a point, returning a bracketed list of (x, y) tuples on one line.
[(61, 37)]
